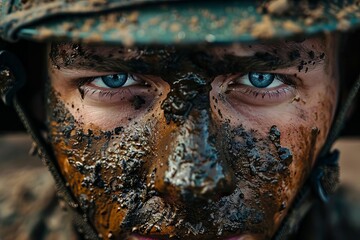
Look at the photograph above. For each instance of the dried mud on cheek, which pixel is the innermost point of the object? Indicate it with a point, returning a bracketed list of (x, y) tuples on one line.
[(104, 169), (100, 168), (261, 166)]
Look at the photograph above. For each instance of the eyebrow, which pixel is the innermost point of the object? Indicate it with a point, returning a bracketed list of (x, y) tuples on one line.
[(157, 61)]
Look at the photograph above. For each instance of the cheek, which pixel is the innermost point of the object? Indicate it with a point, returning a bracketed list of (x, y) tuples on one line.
[(323, 115), (304, 127), (99, 166), (270, 168), (131, 110), (312, 121), (302, 141)]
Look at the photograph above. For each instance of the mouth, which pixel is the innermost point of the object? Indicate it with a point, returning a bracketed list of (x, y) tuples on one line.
[(139, 237)]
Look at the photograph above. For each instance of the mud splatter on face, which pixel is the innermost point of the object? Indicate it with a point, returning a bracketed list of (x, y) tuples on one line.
[(205, 61), (101, 166), (187, 91), (112, 174), (260, 165), (199, 162), (137, 102)]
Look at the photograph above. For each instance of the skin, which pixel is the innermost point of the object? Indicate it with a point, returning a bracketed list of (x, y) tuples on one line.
[(191, 149)]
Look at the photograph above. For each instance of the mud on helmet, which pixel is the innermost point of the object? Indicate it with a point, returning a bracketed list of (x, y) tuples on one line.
[(161, 22)]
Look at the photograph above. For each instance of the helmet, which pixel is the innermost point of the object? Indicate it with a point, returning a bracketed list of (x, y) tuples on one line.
[(168, 22), (181, 24)]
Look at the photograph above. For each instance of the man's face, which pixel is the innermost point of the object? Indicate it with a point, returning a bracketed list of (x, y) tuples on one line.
[(203, 142)]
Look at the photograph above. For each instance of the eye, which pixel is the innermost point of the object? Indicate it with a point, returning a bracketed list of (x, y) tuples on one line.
[(114, 81), (261, 89), (259, 80)]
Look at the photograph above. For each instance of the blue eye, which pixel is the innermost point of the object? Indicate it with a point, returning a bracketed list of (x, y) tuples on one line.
[(115, 80), (261, 80)]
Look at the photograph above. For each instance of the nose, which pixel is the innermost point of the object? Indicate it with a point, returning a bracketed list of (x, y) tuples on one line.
[(189, 164)]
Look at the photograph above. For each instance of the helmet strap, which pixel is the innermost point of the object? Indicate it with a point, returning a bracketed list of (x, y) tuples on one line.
[(339, 121)]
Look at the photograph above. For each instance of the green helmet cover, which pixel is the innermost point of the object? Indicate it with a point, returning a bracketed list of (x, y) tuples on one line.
[(167, 22)]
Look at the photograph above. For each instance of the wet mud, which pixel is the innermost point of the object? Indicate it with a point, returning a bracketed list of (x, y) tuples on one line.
[(184, 174), (188, 91), (137, 102), (113, 175), (175, 63), (277, 17)]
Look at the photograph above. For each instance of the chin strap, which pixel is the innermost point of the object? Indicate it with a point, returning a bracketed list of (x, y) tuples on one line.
[(324, 178), (12, 78), (339, 121)]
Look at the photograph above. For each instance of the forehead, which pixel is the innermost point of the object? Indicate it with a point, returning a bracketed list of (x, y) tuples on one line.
[(281, 46), (209, 60)]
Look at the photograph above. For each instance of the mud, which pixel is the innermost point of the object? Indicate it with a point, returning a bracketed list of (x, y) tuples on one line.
[(187, 91), (181, 174), (137, 102), (278, 7), (123, 23), (175, 63), (294, 55), (267, 158), (102, 165), (113, 175)]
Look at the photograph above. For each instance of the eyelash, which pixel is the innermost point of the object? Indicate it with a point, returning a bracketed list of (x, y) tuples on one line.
[(101, 93), (291, 85), (85, 90), (269, 93), (276, 93)]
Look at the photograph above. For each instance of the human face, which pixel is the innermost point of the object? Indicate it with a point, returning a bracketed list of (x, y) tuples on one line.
[(202, 142)]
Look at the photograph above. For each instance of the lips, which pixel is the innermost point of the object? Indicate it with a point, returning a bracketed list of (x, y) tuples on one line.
[(138, 237)]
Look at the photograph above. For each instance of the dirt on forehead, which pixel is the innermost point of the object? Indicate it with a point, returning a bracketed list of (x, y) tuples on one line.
[(205, 61)]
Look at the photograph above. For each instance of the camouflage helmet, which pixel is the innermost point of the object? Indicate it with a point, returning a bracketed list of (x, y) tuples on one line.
[(170, 21)]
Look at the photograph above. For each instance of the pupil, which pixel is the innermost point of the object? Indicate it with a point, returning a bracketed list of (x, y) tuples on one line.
[(115, 81), (261, 80)]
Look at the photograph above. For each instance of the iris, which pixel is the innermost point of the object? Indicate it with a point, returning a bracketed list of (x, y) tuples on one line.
[(261, 80), (115, 80)]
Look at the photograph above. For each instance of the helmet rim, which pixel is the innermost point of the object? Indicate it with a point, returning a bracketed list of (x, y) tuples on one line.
[(174, 23)]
